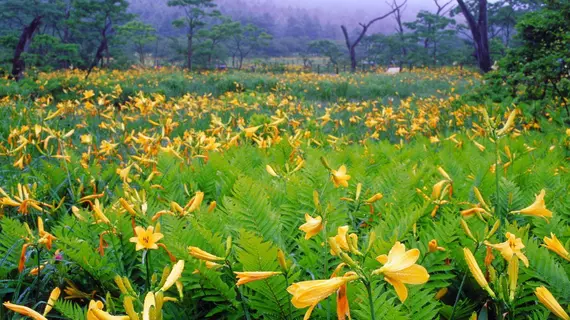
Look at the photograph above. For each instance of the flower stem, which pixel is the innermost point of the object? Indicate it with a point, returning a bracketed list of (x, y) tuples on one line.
[(38, 251), (370, 299), (497, 187), (147, 263), (286, 275), (461, 287)]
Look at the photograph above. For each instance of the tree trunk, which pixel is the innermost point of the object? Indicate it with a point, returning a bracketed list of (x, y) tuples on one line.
[(103, 47), (479, 30), (18, 65), (351, 46), (190, 51)]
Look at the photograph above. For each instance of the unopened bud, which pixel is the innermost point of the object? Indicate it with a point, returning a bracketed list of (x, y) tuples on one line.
[(467, 230), (281, 259)]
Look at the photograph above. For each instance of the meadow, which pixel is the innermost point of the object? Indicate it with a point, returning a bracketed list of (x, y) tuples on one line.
[(160, 194)]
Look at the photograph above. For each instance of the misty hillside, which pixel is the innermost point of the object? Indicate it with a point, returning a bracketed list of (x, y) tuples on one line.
[(318, 18)]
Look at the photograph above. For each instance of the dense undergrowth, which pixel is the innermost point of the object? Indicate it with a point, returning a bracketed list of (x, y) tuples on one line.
[(284, 177)]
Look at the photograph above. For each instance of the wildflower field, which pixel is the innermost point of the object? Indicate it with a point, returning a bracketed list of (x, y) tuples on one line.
[(160, 194)]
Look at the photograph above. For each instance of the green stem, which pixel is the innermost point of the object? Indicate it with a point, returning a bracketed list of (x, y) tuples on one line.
[(497, 179), (370, 299), (289, 303), (147, 263), (461, 287), (38, 251), (239, 293)]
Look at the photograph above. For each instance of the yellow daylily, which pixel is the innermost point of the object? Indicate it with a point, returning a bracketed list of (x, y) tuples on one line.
[(25, 311), (548, 300), (538, 208), (340, 238), (512, 246), (312, 226), (54, 295), (174, 275), (146, 239), (476, 271), (203, 255), (339, 177), (310, 293), (250, 276), (400, 269), (95, 312), (554, 245), (433, 247)]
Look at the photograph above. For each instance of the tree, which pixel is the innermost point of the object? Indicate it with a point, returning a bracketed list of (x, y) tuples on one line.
[(139, 34), (27, 16), (247, 39), (216, 35), (398, 11), (479, 30), (351, 45), (93, 25), (539, 68), (327, 48), (431, 28), (195, 14)]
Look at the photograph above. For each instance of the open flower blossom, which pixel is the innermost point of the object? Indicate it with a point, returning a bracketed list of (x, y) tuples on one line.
[(312, 226), (339, 177), (146, 239), (554, 245), (400, 269), (476, 271), (250, 276), (45, 237), (512, 246), (538, 208), (310, 293), (548, 300), (23, 310), (203, 255)]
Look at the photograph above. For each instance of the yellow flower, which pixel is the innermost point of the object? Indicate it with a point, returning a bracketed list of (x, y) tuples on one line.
[(174, 275), (95, 312), (538, 208), (312, 226), (310, 293), (432, 246), (375, 198), (25, 311), (250, 276), (146, 239), (548, 300), (554, 245), (513, 273), (54, 295), (203, 255), (196, 201), (249, 132), (149, 303), (339, 177), (270, 170), (511, 247), (509, 124), (476, 271), (86, 139), (400, 268), (340, 238)]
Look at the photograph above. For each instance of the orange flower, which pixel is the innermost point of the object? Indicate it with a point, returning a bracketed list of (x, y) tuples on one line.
[(25, 311), (250, 276)]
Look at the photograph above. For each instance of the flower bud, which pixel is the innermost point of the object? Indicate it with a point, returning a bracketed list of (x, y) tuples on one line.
[(281, 259)]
